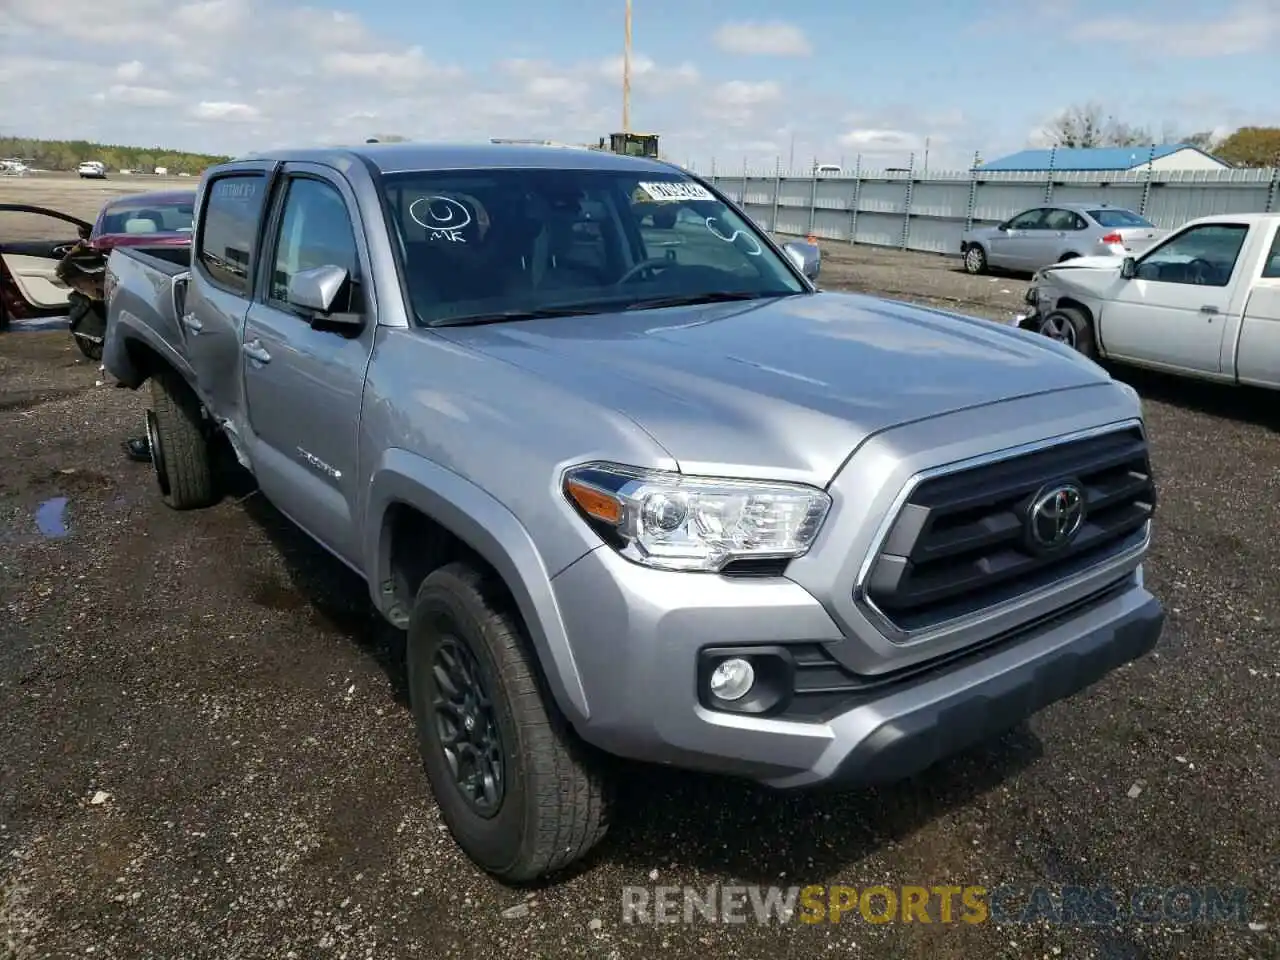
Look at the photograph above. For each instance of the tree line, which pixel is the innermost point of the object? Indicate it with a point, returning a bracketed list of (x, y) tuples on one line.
[(1089, 125), (69, 154)]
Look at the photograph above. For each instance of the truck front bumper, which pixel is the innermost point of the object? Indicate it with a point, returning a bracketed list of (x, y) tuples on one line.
[(641, 637)]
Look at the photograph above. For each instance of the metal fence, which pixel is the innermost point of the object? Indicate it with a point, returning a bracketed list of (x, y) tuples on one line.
[(913, 211)]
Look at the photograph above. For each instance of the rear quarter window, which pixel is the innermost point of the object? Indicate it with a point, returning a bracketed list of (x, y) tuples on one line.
[(1271, 268), (228, 229)]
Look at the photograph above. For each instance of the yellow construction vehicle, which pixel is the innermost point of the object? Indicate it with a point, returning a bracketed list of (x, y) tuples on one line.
[(631, 144)]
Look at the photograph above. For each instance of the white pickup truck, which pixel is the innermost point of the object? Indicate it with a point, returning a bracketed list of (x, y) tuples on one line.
[(1205, 302)]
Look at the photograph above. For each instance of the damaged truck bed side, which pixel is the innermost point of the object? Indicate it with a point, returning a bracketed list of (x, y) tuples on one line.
[(631, 483)]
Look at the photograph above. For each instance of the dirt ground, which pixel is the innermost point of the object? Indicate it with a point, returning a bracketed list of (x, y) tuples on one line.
[(207, 750)]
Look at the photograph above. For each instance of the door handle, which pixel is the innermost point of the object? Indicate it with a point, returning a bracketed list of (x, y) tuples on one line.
[(192, 323), (1209, 309), (254, 350)]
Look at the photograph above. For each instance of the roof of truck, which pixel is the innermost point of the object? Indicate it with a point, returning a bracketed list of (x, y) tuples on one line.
[(404, 157)]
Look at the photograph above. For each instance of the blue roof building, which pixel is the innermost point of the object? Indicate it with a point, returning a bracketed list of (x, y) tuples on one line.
[(1170, 156)]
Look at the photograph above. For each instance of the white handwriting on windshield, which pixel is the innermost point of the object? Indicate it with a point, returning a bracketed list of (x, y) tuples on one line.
[(755, 248), (442, 217)]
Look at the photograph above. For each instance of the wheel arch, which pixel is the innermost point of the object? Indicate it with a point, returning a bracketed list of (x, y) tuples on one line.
[(421, 515)]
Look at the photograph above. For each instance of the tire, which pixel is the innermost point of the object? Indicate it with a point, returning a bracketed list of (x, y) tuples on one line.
[(1072, 327), (553, 803), (975, 259), (181, 453)]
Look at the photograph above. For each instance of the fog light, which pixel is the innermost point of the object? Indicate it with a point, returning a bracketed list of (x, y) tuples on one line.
[(732, 679)]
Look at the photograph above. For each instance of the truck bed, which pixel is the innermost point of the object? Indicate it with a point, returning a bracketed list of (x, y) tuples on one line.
[(169, 260), (142, 305)]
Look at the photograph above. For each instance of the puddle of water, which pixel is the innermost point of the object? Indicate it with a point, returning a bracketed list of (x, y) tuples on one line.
[(51, 517), (35, 324)]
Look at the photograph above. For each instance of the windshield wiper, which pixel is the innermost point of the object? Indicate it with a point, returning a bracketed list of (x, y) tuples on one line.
[(691, 299), (511, 316)]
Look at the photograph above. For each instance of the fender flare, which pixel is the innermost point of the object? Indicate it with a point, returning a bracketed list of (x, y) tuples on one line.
[(123, 331), (494, 532)]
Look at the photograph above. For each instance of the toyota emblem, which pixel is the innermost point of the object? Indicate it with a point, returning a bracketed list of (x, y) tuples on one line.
[(1056, 515)]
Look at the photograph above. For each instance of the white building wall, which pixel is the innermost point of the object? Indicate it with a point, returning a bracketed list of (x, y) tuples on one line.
[(1186, 160)]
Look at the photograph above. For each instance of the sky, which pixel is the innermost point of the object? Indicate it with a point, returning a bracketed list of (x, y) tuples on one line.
[(748, 82)]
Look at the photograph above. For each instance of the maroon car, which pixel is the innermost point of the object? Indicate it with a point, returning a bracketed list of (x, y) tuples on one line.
[(59, 276)]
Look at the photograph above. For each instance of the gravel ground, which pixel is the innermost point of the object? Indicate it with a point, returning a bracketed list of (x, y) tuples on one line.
[(208, 751)]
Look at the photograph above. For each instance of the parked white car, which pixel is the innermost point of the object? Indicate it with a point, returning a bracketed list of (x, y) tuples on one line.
[(92, 170), (1204, 302), (13, 168)]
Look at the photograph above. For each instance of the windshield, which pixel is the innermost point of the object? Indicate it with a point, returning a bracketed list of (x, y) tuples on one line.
[(1119, 218), (480, 243)]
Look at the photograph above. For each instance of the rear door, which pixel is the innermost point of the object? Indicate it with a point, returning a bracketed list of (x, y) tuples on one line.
[(228, 222), (304, 382), (1059, 237), (29, 284)]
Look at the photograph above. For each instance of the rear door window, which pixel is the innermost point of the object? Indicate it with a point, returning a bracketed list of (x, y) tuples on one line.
[(1271, 269), (229, 228)]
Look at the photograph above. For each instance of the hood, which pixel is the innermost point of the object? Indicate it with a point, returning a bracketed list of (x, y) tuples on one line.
[(785, 388), (1101, 262), (1087, 277)]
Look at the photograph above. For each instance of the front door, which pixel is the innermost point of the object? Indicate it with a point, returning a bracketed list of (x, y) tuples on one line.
[(1013, 248), (304, 382), (33, 289), (1174, 312)]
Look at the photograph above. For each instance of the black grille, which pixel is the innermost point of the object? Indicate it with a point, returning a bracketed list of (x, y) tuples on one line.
[(960, 544)]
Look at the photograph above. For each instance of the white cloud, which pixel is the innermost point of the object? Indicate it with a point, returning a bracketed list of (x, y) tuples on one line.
[(397, 69), (133, 70), (739, 103), (755, 38), (135, 96), (220, 111), (881, 141), (278, 73), (1249, 27)]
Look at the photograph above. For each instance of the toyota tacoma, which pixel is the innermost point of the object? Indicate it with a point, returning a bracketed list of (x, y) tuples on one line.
[(634, 486)]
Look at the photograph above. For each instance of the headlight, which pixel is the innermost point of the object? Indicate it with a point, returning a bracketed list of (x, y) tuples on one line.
[(675, 522)]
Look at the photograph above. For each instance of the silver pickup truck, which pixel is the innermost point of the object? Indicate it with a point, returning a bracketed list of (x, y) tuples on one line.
[(632, 485)]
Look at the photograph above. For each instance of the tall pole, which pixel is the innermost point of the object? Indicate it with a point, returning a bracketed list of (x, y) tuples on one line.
[(626, 76)]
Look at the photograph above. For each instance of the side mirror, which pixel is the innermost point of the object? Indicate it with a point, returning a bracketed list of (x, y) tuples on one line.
[(316, 291), (806, 256), (1003, 227), (1129, 268)]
